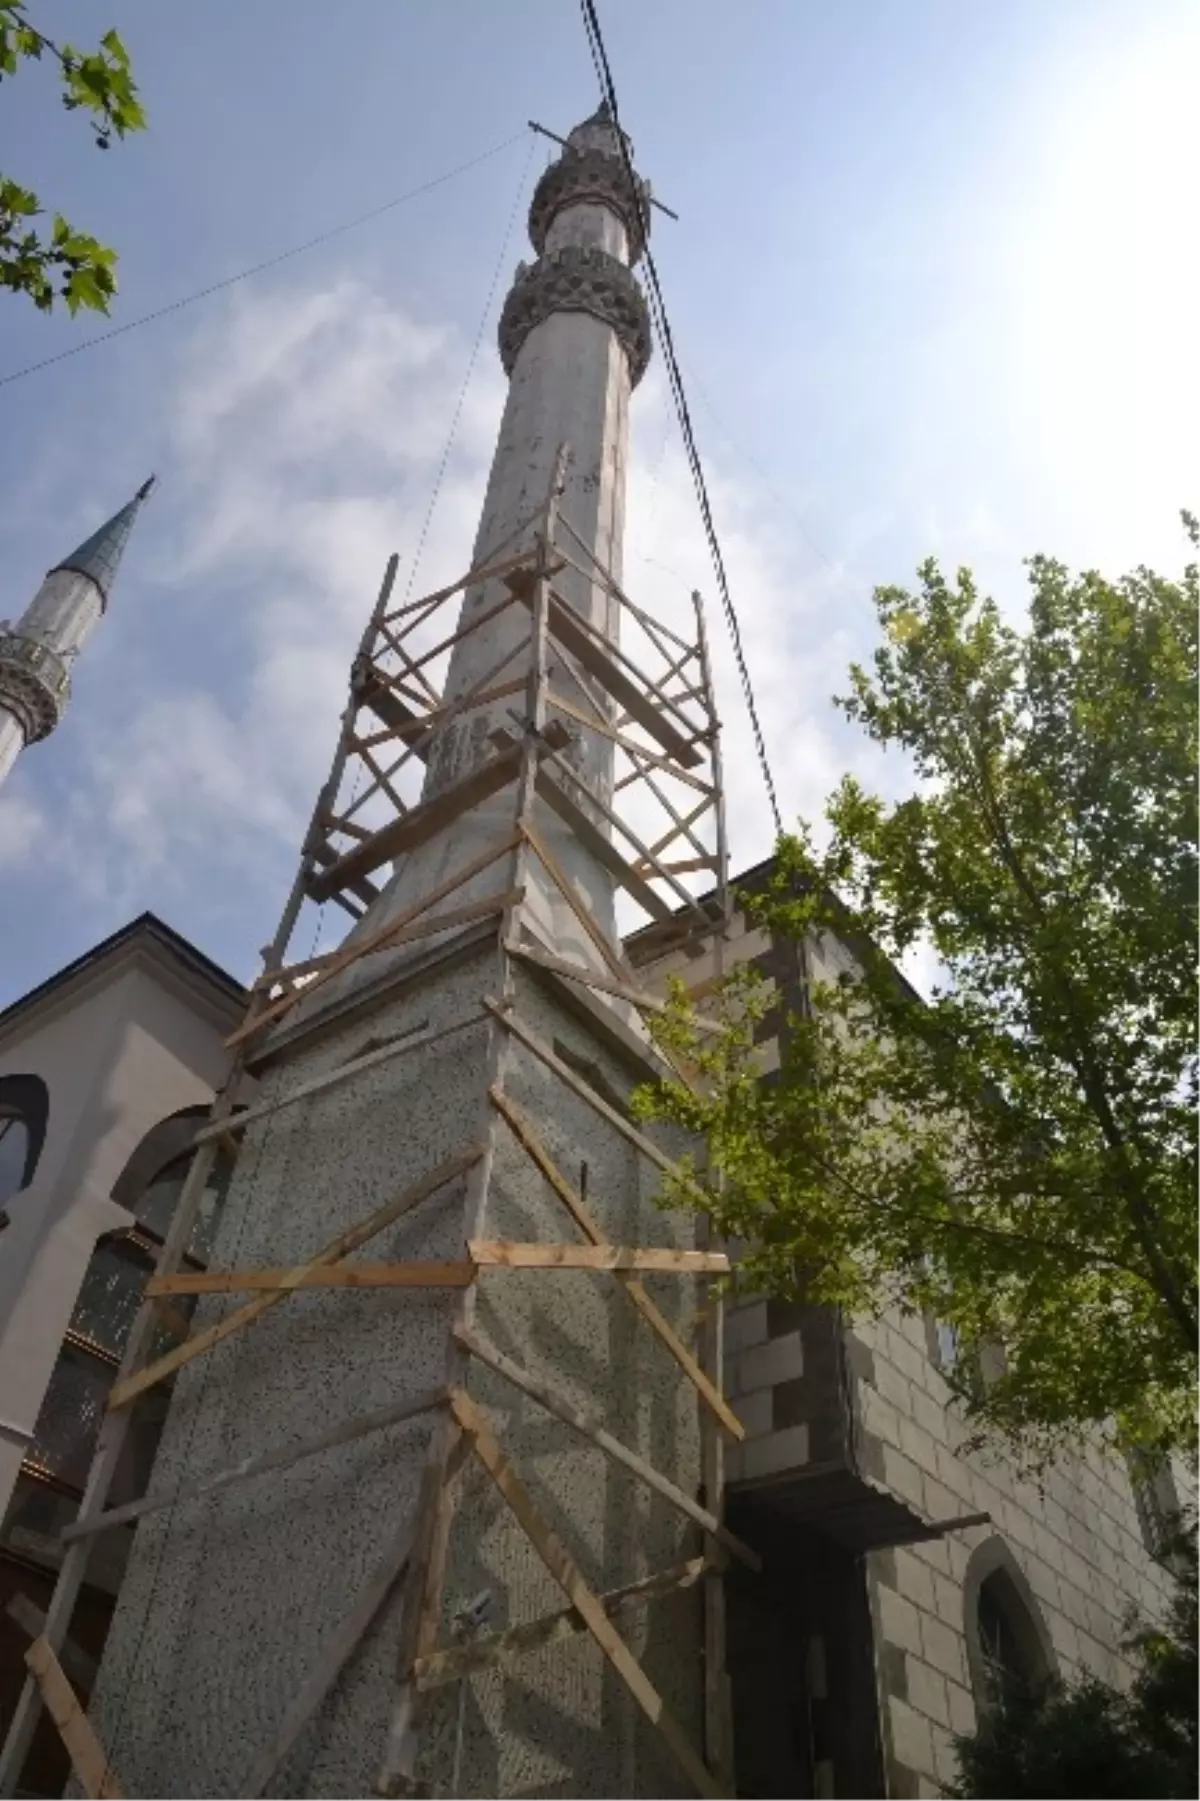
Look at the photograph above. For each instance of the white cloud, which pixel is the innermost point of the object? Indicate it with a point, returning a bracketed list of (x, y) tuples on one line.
[(306, 431), (22, 831), (802, 622)]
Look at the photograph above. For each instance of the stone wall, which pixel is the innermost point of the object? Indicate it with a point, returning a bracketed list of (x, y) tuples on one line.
[(811, 1393)]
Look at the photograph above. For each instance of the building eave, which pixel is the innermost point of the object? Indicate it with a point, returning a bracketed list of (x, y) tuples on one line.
[(148, 935)]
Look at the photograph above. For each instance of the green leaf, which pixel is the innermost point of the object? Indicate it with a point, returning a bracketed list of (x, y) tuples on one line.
[(1017, 1153)]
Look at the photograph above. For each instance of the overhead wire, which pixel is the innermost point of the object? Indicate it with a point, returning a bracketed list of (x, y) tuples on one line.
[(662, 326), (271, 262)]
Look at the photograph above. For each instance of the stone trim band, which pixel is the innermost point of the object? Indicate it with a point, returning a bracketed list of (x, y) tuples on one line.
[(34, 684), (577, 279), (583, 175)]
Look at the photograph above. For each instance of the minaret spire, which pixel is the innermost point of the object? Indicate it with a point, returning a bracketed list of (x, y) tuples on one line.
[(36, 654)]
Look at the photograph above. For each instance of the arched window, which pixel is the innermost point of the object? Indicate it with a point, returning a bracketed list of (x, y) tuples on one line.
[(14, 1153), (108, 1301), (1008, 1646), (24, 1105)]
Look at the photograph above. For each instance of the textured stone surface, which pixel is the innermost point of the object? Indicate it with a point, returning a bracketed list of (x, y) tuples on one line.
[(229, 1601)]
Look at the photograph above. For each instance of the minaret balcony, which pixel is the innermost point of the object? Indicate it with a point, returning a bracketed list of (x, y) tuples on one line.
[(35, 683)]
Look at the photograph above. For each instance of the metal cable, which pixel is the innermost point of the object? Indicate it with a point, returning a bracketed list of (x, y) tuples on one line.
[(271, 262), (662, 326)]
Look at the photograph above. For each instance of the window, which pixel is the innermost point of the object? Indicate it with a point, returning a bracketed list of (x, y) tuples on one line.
[(1156, 1501), (1008, 1647), (14, 1154), (109, 1297), (24, 1109), (998, 1644), (945, 1338)]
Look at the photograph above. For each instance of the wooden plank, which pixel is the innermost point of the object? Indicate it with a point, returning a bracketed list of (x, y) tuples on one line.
[(601, 847), (420, 824), (459, 635), (487, 572), (563, 883), (341, 1275), (689, 865), (585, 1601), (335, 1655), (377, 940), (326, 856), (457, 1661), (566, 627), (388, 939), (682, 824), (505, 1254), (304, 1091), (591, 978), (281, 1459), (87, 1754), (526, 1136), (629, 745), (570, 1415), (134, 1384), (644, 853), (78, 1667), (411, 727), (583, 1089)]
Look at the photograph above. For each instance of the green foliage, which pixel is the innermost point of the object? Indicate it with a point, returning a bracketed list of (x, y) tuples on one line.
[(1067, 1742), (1016, 1154), (66, 264), (1090, 1740)]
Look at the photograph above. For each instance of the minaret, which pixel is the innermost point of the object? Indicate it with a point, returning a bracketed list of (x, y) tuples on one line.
[(574, 341), (436, 1102), (36, 654)]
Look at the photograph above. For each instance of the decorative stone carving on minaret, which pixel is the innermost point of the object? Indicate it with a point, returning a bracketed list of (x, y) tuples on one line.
[(584, 271), (36, 654), (582, 280)]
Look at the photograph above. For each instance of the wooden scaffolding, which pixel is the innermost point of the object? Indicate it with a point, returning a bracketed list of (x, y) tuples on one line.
[(660, 836)]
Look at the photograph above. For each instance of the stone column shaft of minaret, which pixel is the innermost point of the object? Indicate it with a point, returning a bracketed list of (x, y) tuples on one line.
[(574, 337), (12, 741), (65, 611)]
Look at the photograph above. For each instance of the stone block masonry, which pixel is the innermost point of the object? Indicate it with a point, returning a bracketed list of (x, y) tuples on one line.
[(923, 1595), (874, 1398)]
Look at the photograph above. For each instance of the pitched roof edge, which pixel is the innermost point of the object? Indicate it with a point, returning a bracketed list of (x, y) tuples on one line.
[(148, 924)]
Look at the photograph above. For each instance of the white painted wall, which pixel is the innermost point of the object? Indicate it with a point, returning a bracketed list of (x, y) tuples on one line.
[(119, 1049)]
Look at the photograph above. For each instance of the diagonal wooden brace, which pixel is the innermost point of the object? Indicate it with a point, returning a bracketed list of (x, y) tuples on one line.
[(124, 1391), (584, 1599), (523, 1130), (87, 1754)]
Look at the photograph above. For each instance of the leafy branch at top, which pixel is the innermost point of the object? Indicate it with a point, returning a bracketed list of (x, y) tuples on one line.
[(65, 263)]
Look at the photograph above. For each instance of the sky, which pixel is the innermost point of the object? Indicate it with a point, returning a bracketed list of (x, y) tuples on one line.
[(933, 289)]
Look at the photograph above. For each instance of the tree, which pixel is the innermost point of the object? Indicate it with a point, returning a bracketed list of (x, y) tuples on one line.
[(1088, 1739), (63, 263), (1015, 1154)]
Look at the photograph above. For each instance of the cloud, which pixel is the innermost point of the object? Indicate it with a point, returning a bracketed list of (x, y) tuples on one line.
[(22, 832), (802, 619), (306, 430)]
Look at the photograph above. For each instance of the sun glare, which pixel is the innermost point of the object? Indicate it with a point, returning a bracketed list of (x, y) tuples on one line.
[(1108, 280)]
